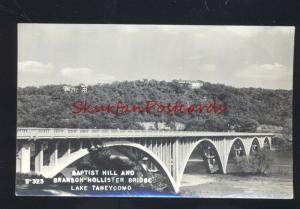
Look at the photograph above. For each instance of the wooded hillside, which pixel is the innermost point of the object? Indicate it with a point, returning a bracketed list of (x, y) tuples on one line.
[(247, 108)]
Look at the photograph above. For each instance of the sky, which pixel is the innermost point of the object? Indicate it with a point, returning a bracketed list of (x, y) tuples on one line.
[(240, 56)]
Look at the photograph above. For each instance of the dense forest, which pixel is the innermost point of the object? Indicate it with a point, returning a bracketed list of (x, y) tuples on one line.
[(246, 108)]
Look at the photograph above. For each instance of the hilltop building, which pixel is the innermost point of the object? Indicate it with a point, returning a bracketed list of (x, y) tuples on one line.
[(69, 89), (73, 89), (83, 88), (191, 84)]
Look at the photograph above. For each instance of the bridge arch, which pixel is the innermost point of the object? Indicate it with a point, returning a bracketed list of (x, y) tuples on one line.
[(237, 140), (63, 163), (267, 142), (142, 148), (233, 142), (255, 145), (195, 145)]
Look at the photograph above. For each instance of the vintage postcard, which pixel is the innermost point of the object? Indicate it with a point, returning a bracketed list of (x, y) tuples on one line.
[(155, 111)]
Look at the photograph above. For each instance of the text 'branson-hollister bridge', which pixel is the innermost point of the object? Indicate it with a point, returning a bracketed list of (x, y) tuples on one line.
[(169, 151)]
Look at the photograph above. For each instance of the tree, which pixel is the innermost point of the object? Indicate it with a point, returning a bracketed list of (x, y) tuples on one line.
[(260, 162), (287, 129)]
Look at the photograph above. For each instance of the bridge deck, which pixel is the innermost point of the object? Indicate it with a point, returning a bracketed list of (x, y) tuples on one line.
[(57, 133)]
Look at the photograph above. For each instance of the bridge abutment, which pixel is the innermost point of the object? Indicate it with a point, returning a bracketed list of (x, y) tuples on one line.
[(23, 157)]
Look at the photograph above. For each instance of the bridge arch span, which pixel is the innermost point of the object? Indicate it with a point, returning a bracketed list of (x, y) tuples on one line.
[(255, 145), (142, 148), (50, 172), (192, 149), (267, 141), (232, 143), (235, 140)]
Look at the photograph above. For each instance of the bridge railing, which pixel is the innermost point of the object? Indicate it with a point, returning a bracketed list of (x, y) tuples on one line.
[(23, 133)]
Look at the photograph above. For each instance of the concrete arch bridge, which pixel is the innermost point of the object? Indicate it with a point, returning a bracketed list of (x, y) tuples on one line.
[(169, 151)]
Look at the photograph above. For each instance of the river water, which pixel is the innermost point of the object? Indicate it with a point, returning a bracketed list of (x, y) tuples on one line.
[(278, 184)]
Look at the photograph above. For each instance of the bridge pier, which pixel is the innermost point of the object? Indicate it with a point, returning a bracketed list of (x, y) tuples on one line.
[(261, 141), (223, 149), (80, 145), (23, 157), (175, 160), (247, 145), (39, 157), (52, 146), (66, 148), (270, 143)]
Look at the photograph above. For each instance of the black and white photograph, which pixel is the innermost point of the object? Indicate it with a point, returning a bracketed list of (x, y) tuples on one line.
[(181, 111)]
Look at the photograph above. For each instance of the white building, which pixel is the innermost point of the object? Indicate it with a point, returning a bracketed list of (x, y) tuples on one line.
[(69, 89), (83, 88), (192, 84), (66, 88)]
